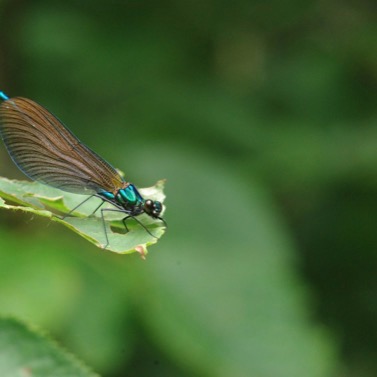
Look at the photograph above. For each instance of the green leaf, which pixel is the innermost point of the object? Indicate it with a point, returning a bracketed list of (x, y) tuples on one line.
[(25, 352), (49, 202)]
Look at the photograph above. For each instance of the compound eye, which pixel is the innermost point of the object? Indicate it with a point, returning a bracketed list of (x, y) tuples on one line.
[(149, 204), (157, 208)]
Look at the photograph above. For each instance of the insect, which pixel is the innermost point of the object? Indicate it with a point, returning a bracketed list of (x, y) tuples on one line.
[(46, 151)]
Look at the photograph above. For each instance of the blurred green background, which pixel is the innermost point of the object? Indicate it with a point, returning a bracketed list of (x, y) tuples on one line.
[(262, 118)]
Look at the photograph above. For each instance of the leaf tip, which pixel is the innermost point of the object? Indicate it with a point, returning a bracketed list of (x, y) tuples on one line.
[(141, 249)]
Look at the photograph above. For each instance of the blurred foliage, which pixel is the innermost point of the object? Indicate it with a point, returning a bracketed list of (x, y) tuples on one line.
[(262, 117), (25, 352)]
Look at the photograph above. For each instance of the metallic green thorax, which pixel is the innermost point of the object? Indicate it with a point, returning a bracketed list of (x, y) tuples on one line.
[(128, 198)]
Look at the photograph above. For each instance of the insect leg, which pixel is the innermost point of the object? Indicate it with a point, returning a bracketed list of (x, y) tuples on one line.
[(165, 223), (104, 227), (124, 222), (97, 209), (137, 220), (104, 222), (79, 205)]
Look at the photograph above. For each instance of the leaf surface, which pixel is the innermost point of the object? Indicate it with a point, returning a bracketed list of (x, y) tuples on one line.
[(48, 202)]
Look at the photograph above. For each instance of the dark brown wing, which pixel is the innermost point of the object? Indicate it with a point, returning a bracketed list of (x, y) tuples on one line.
[(48, 152)]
